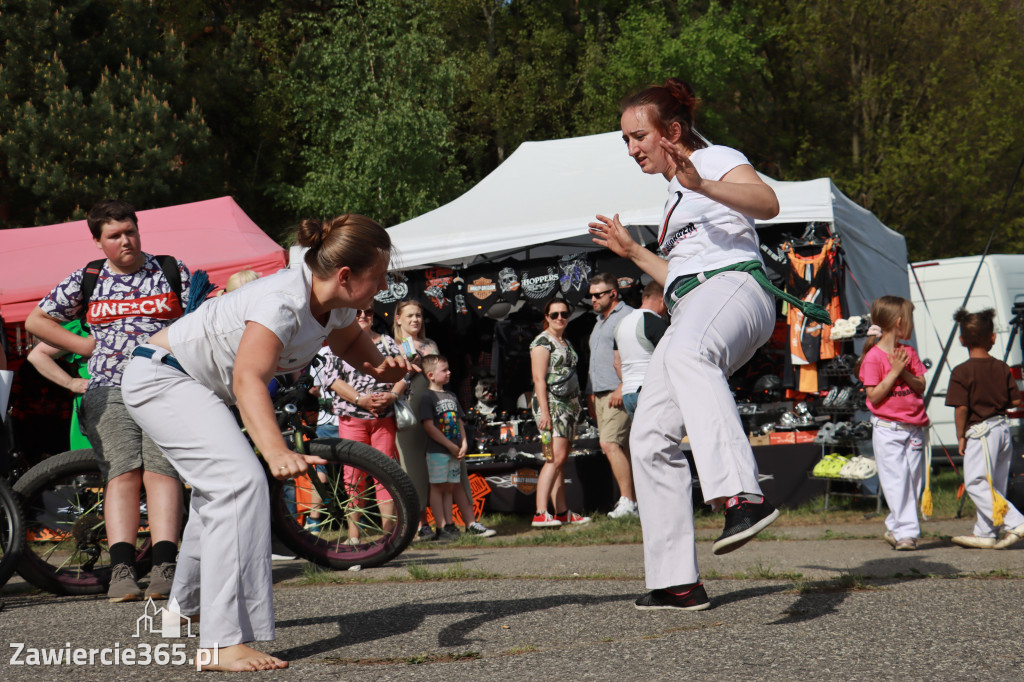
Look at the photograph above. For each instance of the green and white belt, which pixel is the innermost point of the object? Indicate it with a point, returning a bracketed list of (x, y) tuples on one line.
[(687, 283)]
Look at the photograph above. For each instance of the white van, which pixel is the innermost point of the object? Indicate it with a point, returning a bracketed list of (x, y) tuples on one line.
[(937, 289)]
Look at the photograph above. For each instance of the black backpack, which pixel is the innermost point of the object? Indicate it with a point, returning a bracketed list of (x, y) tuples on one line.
[(168, 264)]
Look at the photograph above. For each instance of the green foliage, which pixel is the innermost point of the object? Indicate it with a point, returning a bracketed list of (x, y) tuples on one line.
[(88, 116), (316, 107), (370, 91), (909, 106), (707, 45)]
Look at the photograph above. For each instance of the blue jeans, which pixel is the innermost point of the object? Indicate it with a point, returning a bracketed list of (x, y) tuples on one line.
[(327, 430), (629, 401)]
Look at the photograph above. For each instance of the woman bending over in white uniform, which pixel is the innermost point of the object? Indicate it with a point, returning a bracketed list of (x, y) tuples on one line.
[(718, 320), (179, 388)]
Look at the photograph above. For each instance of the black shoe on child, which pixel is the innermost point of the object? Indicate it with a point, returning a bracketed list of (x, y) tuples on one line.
[(694, 599), (743, 520)]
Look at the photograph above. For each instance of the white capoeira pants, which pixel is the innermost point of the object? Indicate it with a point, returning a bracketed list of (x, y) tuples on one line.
[(899, 455), (1000, 452), (714, 330), (224, 564)]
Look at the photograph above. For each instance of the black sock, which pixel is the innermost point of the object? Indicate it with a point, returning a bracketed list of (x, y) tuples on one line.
[(122, 553), (165, 552)]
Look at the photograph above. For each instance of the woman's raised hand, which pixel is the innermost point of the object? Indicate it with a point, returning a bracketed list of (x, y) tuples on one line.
[(609, 233), (686, 172)]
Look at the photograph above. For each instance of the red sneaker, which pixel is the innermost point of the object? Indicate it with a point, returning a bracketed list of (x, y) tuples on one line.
[(545, 520), (573, 518)]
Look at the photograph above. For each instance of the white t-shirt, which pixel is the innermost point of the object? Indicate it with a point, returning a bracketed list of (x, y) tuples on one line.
[(635, 338), (205, 342), (700, 234)]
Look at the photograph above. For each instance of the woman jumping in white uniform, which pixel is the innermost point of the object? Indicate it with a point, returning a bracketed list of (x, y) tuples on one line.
[(718, 320), (179, 388)]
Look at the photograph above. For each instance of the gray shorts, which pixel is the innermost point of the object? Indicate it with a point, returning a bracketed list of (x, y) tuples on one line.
[(119, 443)]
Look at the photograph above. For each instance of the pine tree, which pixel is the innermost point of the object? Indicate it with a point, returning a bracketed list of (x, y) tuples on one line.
[(92, 106)]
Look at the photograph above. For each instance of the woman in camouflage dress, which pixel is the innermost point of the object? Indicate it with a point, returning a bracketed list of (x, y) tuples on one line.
[(556, 404)]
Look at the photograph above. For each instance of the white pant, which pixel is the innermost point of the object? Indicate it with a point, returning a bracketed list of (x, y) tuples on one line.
[(1000, 449), (715, 329), (224, 567), (899, 454)]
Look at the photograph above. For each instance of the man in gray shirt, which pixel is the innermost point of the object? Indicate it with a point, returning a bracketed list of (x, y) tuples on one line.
[(604, 392)]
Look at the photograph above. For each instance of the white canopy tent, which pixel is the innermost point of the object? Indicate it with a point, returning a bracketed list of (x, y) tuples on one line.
[(539, 201)]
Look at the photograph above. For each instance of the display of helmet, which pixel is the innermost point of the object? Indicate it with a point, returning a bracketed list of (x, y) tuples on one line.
[(768, 387)]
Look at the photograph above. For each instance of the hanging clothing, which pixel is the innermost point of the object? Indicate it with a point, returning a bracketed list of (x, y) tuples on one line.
[(812, 278)]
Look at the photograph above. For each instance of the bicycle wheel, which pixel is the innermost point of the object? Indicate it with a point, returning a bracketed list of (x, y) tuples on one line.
[(356, 471), (65, 539), (12, 532)]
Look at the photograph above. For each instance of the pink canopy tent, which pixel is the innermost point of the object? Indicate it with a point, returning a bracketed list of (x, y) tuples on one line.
[(214, 235)]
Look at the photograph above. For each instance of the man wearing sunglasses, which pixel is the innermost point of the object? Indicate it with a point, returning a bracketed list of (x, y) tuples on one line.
[(604, 392)]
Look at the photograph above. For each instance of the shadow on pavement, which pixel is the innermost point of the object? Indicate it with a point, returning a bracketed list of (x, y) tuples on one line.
[(368, 626), (822, 597)]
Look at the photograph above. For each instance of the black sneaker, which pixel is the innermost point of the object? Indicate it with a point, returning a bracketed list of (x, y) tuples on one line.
[(695, 599), (424, 533), (450, 533), (743, 520)]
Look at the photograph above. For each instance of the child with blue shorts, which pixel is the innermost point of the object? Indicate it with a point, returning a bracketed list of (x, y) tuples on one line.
[(447, 445)]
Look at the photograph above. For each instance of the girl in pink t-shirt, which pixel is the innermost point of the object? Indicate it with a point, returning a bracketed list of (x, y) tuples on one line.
[(893, 379)]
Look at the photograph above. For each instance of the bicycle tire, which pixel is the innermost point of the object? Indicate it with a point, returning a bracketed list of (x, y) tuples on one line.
[(327, 546), (66, 549), (12, 532)]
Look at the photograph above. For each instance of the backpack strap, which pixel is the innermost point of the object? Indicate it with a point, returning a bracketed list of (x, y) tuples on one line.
[(169, 265), (90, 274)]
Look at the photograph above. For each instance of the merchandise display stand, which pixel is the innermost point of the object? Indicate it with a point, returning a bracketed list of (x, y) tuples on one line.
[(845, 443)]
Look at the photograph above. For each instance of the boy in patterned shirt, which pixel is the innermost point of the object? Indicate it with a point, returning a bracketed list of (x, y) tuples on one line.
[(131, 301), (447, 444)]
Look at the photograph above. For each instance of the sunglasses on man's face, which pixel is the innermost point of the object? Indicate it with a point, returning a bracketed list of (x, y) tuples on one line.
[(564, 314), (600, 294), (365, 312)]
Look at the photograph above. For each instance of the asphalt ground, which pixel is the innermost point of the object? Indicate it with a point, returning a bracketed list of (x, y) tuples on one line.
[(807, 602)]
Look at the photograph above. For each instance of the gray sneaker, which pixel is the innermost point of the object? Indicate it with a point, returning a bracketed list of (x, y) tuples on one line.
[(160, 580), (123, 585)]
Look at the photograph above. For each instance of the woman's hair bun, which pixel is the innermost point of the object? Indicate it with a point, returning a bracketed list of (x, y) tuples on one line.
[(312, 232), (683, 92)]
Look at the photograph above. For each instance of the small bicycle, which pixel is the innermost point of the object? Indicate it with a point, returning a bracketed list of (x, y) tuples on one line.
[(65, 546)]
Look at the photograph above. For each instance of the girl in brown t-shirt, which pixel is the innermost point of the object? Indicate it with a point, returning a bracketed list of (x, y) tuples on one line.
[(982, 390)]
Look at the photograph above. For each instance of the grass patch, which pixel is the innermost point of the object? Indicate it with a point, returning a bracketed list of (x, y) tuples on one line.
[(763, 571), (455, 572), (847, 582), (999, 573), (519, 650), (515, 531), (314, 574)]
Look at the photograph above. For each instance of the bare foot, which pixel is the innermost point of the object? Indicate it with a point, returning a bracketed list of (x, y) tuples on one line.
[(237, 658)]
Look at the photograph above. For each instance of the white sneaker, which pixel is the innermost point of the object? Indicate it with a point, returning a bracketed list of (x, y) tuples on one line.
[(624, 507), (974, 542), (1012, 537)]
